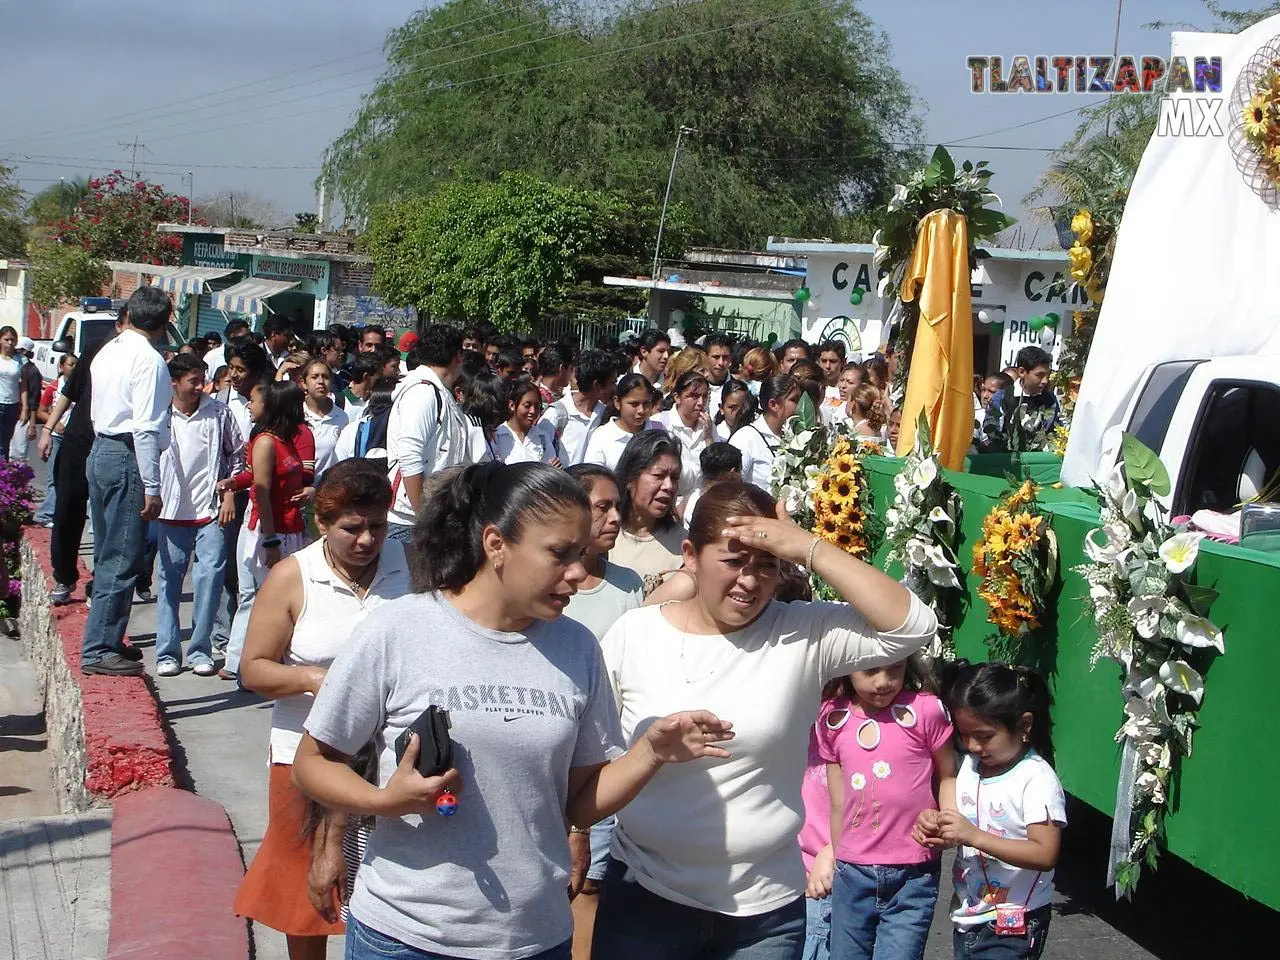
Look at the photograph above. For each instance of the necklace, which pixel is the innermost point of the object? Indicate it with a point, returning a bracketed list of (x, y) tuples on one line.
[(684, 670), (358, 586)]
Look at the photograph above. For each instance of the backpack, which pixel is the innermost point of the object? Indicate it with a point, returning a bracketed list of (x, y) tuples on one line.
[(371, 438)]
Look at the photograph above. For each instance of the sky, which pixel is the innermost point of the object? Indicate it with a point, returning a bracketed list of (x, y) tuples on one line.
[(244, 95)]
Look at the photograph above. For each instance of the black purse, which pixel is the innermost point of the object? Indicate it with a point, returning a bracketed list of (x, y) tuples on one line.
[(435, 754)]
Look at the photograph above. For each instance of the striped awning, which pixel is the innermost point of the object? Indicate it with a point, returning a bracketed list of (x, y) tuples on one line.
[(189, 280), (248, 295)]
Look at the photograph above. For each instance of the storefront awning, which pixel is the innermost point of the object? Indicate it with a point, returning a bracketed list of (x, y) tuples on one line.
[(248, 295), (190, 280)]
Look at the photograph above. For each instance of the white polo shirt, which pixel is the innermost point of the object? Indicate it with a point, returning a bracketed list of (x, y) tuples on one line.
[(608, 441), (426, 433), (758, 444), (538, 445), (573, 427), (205, 447), (131, 393), (326, 428), (693, 440)]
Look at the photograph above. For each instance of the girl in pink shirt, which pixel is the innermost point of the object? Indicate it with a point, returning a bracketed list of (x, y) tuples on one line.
[(885, 746), (815, 835)]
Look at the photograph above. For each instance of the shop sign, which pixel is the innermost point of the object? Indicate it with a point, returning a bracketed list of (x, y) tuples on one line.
[(208, 250), (278, 268)]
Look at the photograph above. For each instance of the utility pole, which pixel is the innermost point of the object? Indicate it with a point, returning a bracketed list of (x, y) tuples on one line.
[(133, 149), (191, 194), (671, 179)]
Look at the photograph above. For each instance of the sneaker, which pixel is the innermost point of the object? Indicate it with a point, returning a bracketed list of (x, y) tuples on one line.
[(61, 595), (130, 652), (204, 670), (228, 675), (112, 665), (144, 595), (168, 668), (48, 524)]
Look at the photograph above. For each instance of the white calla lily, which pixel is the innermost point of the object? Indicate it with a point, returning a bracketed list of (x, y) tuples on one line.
[(1179, 552), (875, 237), (924, 474), (1199, 633), (898, 199), (1180, 677), (1145, 614), (885, 283), (1116, 487), (1116, 541), (917, 552), (938, 515)]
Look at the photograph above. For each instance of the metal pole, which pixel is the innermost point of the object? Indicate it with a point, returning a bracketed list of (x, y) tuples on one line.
[(1115, 55), (191, 194), (671, 179)]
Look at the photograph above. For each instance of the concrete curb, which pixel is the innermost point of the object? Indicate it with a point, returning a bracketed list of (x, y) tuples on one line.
[(105, 733), (172, 848)]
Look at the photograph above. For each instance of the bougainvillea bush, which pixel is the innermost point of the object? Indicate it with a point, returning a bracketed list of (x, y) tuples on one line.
[(15, 510), (117, 220)]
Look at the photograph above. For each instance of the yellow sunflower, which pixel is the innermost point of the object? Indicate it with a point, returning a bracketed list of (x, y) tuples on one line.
[(1024, 494), (1081, 262), (826, 526), (1027, 527), (1256, 121), (1082, 226)]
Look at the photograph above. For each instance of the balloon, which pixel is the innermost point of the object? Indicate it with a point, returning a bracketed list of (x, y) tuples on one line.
[(855, 296), (1037, 323), (1048, 337), (772, 338), (802, 295), (1051, 319), (984, 316)]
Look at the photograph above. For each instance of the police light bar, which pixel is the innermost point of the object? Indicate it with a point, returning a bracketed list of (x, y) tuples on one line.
[(94, 304)]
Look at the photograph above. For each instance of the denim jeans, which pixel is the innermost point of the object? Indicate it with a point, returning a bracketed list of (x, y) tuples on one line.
[(601, 841), (45, 513), (982, 942), (817, 930), (230, 598), (178, 545), (634, 924), (402, 532), (884, 911), (119, 540), (246, 590), (366, 943), (9, 413)]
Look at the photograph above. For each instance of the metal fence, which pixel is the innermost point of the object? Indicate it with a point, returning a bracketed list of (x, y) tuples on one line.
[(587, 333)]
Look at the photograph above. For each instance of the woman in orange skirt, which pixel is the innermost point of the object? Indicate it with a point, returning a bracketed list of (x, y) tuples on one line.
[(303, 615)]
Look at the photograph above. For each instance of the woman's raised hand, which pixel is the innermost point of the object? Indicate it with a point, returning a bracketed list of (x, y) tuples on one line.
[(780, 536), (408, 791), (688, 736)]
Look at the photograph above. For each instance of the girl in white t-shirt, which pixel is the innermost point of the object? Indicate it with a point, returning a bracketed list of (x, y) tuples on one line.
[(688, 422), (634, 398), (1011, 811), (759, 441), (705, 862), (524, 438)]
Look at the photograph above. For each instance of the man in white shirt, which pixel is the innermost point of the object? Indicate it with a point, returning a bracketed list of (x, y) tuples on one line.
[(579, 412), (130, 409), (426, 432), (205, 446), (655, 351), (719, 362)]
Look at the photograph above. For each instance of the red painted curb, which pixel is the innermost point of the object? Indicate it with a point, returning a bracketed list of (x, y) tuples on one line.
[(175, 867), (125, 744)]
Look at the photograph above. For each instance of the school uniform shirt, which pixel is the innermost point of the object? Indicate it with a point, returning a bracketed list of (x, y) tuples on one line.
[(238, 404), (325, 428), (713, 398), (758, 444), (426, 433), (693, 440), (608, 441), (130, 393), (352, 404), (214, 360), (1028, 793), (204, 448), (573, 428), (538, 445)]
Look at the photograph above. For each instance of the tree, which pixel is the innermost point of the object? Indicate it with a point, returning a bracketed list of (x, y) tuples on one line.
[(12, 232), (514, 251), (798, 109), (239, 208), (306, 222), (62, 273), (58, 201), (117, 221)]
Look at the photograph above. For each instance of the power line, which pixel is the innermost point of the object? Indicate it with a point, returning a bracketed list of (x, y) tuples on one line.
[(48, 160), (76, 130), (1016, 126)]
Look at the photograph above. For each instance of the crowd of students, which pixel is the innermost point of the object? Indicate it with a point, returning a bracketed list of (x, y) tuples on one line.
[(575, 555)]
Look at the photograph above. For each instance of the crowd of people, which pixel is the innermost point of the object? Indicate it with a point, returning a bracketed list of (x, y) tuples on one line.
[(574, 556)]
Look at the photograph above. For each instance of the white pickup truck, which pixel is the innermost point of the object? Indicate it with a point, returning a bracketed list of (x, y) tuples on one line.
[(1215, 424), (85, 330)]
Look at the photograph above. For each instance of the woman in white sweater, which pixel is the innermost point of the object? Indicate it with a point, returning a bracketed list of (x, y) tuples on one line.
[(705, 861)]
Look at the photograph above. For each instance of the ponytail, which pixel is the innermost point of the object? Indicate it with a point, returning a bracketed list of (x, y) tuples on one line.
[(448, 538), (1002, 694)]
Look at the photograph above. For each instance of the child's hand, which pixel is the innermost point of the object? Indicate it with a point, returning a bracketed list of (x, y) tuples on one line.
[(925, 832), (823, 874), (955, 828)]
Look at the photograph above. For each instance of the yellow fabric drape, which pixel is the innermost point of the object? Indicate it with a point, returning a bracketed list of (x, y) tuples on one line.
[(940, 382)]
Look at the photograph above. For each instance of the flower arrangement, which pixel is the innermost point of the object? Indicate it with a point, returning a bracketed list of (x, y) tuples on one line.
[(819, 478), (15, 510), (1151, 620), (923, 530), (1262, 121), (1017, 559)]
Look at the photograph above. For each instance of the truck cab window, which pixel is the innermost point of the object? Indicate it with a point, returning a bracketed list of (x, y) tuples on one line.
[(1234, 450), (1160, 395)]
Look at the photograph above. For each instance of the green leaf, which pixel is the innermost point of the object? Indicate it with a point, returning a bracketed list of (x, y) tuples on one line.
[(1142, 466), (987, 222), (1199, 598), (932, 174), (942, 160), (805, 412)]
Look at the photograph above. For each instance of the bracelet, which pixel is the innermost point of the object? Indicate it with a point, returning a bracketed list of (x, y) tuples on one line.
[(808, 561), (270, 542), (573, 829)]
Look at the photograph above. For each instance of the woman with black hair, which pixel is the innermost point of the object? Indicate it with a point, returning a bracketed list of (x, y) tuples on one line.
[(759, 441), (523, 437), (648, 477), (497, 554), (633, 400), (688, 422), (738, 407), (281, 469), (484, 401)]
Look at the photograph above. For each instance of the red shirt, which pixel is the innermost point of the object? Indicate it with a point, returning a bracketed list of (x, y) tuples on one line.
[(293, 472)]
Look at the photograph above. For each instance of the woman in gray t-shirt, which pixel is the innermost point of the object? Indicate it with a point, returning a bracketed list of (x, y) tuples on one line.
[(497, 554)]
